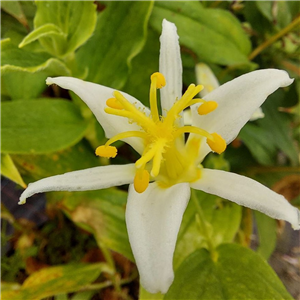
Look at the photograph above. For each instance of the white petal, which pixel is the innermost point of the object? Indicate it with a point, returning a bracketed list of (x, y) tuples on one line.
[(95, 96), (238, 99), (206, 77), (83, 180), (249, 193), (170, 66), (153, 220)]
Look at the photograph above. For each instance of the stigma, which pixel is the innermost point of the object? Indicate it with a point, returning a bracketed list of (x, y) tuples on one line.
[(166, 158)]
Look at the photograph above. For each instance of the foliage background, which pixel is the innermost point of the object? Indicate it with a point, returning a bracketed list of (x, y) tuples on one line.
[(77, 247)]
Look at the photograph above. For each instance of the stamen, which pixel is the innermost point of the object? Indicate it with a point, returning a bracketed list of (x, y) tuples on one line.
[(207, 107), (156, 163), (181, 104), (131, 112), (113, 103), (106, 151), (160, 79), (217, 143), (126, 134), (157, 82), (192, 129), (147, 156), (141, 180)]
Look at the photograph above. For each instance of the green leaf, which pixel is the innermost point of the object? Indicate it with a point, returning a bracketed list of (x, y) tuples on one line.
[(256, 18), (12, 56), (265, 7), (284, 16), (57, 280), (63, 26), (47, 30), (266, 227), (238, 273), (221, 216), (109, 52), (24, 73), (260, 143), (143, 65), (101, 213), (144, 295), (278, 123), (272, 133), (40, 126), (9, 170), (34, 167), (214, 35), (14, 9)]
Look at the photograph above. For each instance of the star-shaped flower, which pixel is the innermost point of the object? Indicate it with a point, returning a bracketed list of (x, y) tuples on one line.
[(161, 179)]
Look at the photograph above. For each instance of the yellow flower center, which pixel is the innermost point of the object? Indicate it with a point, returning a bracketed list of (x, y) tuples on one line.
[(166, 158)]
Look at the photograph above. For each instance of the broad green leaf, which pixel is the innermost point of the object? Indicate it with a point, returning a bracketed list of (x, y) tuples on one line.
[(40, 126), (256, 18), (34, 167), (14, 9), (272, 133), (57, 280), (266, 227), (284, 16), (9, 286), (238, 273), (9, 170), (260, 142), (101, 213), (72, 23), (12, 56), (24, 73), (265, 7), (47, 30), (144, 295), (87, 295), (143, 65), (222, 218), (119, 36), (214, 35), (278, 124)]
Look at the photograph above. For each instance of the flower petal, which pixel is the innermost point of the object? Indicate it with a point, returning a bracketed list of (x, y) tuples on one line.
[(170, 66), (206, 77), (95, 96), (83, 180), (238, 99), (153, 220), (247, 192)]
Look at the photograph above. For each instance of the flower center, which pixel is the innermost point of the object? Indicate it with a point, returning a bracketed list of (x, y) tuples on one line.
[(166, 157)]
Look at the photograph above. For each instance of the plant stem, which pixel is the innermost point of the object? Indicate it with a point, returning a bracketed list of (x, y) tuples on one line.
[(204, 228), (274, 38)]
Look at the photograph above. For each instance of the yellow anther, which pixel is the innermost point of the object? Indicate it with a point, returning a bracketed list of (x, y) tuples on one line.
[(114, 103), (160, 79), (106, 151), (207, 107), (217, 144), (141, 180)]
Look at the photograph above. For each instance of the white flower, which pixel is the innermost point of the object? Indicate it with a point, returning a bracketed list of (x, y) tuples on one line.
[(154, 210), (206, 77)]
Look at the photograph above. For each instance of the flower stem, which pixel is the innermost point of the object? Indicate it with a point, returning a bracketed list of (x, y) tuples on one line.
[(204, 228), (274, 38)]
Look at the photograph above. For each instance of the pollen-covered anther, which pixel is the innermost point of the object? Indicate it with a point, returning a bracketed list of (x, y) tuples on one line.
[(114, 103), (160, 79), (141, 180), (207, 107), (217, 143), (106, 151)]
